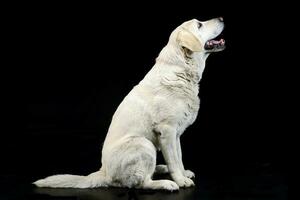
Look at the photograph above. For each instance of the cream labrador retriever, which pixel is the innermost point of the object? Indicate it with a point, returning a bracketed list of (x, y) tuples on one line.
[(153, 116)]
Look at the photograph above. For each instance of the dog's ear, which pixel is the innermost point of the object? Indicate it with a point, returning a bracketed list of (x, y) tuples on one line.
[(188, 40)]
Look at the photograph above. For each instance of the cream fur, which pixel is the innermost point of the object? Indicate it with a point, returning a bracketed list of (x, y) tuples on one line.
[(152, 117)]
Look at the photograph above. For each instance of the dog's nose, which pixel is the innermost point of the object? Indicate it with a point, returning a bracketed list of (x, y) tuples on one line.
[(221, 19)]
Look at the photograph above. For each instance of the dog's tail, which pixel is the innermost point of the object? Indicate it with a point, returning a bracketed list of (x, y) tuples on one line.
[(96, 179)]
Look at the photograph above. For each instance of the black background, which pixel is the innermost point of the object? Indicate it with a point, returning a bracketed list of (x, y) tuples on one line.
[(71, 65)]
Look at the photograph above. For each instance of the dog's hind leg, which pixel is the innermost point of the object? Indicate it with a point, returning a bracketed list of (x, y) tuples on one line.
[(160, 184), (133, 161), (136, 166)]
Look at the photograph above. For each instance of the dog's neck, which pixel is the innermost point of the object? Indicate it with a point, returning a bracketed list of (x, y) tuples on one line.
[(192, 63)]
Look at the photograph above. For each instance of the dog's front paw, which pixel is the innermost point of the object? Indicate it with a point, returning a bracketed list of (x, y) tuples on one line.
[(183, 181), (189, 174)]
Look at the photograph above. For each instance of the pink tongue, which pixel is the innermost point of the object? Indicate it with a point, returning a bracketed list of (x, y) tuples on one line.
[(211, 42)]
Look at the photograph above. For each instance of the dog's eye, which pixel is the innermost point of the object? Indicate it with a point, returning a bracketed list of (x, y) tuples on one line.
[(199, 25)]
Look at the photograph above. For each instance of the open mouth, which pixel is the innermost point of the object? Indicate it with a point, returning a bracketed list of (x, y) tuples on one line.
[(215, 44)]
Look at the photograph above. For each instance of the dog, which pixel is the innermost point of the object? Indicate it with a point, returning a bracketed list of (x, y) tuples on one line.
[(153, 116)]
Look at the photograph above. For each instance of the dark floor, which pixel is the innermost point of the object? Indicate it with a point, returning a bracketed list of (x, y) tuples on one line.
[(262, 186)]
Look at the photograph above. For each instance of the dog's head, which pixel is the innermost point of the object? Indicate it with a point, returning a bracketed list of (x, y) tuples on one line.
[(200, 36)]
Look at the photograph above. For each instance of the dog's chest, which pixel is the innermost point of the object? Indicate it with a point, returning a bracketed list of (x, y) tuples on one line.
[(186, 113)]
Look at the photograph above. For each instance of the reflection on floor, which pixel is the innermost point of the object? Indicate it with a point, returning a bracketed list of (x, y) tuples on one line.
[(114, 193), (264, 186)]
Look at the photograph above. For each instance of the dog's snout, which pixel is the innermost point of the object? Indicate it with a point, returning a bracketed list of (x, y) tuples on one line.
[(221, 19)]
